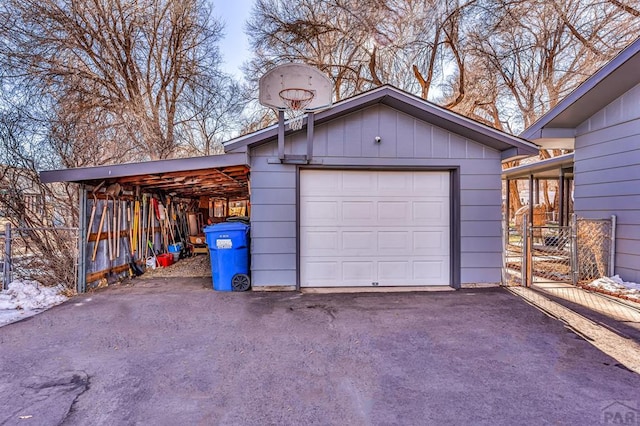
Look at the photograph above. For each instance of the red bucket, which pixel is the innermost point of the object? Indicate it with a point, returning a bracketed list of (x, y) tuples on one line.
[(165, 260)]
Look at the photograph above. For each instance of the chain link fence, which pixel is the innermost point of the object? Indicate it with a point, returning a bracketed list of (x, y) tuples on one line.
[(46, 255), (580, 252), (595, 248)]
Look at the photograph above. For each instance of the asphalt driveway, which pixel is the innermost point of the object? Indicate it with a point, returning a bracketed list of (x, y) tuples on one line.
[(167, 352)]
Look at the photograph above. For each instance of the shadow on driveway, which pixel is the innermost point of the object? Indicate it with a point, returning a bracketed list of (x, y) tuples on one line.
[(172, 351)]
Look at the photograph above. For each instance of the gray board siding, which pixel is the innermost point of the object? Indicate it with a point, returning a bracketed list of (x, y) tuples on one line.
[(406, 142), (607, 175)]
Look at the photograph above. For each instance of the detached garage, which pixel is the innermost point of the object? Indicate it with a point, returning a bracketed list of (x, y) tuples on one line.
[(383, 189)]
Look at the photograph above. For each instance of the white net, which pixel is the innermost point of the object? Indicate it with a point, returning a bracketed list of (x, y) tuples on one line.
[(296, 101)]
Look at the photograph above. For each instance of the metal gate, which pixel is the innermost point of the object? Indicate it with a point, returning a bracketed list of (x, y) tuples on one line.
[(580, 252)]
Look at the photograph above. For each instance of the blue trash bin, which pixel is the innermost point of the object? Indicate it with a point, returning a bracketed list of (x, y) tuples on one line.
[(229, 253)]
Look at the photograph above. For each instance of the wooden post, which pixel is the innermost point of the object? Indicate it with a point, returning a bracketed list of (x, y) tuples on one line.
[(561, 184), (530, 200), (6, 269), (612, 247), (526, 251), (507, 212)]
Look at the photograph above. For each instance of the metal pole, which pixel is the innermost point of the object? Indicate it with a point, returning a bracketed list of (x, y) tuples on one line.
[(81, 283), (531, 200), (281, 135), (561, 197), (575, 267), (6, 270), (310, 125), (612, 247)]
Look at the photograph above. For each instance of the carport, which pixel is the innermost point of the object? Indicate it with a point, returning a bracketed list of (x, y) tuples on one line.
[(166, 202)]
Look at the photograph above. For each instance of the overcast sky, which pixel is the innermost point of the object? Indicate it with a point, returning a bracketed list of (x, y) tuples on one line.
[(235, 45)]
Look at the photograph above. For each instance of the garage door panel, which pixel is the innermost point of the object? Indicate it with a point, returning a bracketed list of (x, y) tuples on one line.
[(357, 212), (389, 228), (391, 272), (356, 184), (395, 184), (358, 270), (430, 243), (358, 242), (394, 241), (435, 186), (429, 271), (399, 211), (324, 271), (326, 211), (430, 213), (319, 183), (320, 241)]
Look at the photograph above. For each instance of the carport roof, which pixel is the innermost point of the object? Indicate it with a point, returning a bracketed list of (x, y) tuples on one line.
[(214, 175), (549, 168), (510, 146)]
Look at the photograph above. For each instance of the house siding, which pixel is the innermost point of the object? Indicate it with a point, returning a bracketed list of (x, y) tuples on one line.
[(348, 141), (607, 175)]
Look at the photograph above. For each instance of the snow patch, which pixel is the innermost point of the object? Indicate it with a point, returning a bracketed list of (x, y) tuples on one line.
[(26, 298), (616, 286)]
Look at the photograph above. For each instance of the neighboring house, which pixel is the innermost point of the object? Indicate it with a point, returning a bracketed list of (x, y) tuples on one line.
[(600, 120), (18, 196), (386, 189)]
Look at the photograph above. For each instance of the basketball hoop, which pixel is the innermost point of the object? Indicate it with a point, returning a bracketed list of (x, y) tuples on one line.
[(296, 100)]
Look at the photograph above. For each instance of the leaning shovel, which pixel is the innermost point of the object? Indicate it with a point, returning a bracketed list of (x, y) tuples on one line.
[(93, 209)]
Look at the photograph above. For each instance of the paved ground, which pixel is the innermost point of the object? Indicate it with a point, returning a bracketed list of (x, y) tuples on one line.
[(621, 316), (168, 352)]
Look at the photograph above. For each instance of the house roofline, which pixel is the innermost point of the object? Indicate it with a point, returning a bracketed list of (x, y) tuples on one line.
[(412, 105), (609, 82)]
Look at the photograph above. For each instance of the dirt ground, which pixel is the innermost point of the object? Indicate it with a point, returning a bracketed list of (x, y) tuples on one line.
[(168, 351), (196, 266)]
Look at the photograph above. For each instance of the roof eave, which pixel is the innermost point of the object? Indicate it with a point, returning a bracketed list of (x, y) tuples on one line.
[(412, 105), (148, 167)]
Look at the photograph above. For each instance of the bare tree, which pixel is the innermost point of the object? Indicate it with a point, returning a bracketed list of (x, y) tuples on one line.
[(212, 110), (34, 208), (114, 70), (530, 55)]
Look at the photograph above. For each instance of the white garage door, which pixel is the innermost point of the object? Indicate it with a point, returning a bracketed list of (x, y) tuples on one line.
[(374, 228)]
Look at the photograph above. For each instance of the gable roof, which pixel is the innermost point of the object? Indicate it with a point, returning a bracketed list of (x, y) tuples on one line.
[(510, 146), (608, 83)]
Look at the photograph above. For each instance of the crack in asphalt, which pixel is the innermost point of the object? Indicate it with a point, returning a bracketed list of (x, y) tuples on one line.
[(81, 382), (38, 392)]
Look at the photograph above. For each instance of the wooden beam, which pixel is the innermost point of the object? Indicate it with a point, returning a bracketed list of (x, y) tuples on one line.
[(95, 276)]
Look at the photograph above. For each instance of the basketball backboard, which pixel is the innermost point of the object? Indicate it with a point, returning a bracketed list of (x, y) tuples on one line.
[(277, 81)]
